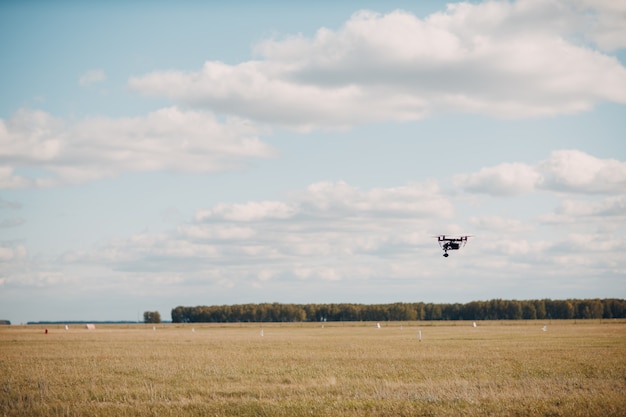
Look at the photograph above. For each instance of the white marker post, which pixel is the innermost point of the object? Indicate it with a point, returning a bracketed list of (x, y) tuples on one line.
[(419, 335)]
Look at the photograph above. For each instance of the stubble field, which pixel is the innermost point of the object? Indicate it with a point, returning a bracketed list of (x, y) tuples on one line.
[(340, 369)]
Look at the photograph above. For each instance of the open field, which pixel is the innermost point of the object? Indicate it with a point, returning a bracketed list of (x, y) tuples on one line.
[(351, 369)]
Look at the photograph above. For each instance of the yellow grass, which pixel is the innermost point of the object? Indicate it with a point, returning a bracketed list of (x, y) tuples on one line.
[(351, 369)]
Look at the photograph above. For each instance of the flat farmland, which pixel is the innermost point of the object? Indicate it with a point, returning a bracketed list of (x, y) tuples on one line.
[(574, 368)]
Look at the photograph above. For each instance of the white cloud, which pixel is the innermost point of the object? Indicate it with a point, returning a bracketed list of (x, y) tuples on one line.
[(325, 226), (19, 268), (576, 171), (9, 180), (512, 247), (497, 58), (92, 77), (337, 234), (605, 22), (252, 211), (216, 232), (12, 253), (498, 224), (414, 200), (584, 247), (571, 171), (92, 148), (324, 198), (169, 251), (611, 209), (502, 180), (608, 207)]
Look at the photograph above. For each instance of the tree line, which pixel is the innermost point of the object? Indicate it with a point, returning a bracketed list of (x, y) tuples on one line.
[(496, 309)]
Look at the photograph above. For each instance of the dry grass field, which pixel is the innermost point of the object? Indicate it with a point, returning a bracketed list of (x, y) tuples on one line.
[(341, 369)]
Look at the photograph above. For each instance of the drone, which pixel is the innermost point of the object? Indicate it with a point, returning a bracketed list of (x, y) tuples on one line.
[(451, 243)]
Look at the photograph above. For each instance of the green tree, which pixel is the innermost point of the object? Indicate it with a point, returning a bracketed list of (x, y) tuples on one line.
[(540, 308), (513, 310), (529, 312), (151, 317), (591, 309)]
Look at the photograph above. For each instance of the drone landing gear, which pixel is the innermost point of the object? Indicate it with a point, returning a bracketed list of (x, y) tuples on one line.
[(446, 255)]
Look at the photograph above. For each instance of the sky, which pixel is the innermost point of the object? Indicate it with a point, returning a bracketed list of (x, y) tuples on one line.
[(159, 154)]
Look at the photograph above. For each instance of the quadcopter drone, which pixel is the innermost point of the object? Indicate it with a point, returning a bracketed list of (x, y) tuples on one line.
[(451, 243)]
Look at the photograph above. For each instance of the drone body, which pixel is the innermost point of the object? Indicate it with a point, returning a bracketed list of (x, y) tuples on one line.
[(451, 243)]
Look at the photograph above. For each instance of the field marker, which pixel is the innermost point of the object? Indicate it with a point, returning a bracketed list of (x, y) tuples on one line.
[(544, 328), (419, 335), (261, 332)]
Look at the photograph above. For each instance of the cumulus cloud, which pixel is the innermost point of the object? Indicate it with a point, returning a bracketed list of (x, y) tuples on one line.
[(252, 211), (498, 224), (576, 171), (502, 180), (414, 200), (611, 209), (92, 77), (312, 234), (92, 148), (12, 253), (14, 261), (336, 232), (583, 243), (9, 179), (503, 59), (319, 199), (605, 22), (571, 171), (216, 232)]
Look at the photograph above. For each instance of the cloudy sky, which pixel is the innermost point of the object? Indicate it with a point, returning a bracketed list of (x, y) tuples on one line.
[(153, 156)]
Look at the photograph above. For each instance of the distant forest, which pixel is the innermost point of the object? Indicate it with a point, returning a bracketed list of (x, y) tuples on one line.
[(476, 310)]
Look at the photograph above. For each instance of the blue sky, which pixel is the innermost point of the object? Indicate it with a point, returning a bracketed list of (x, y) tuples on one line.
[(155, 155)]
